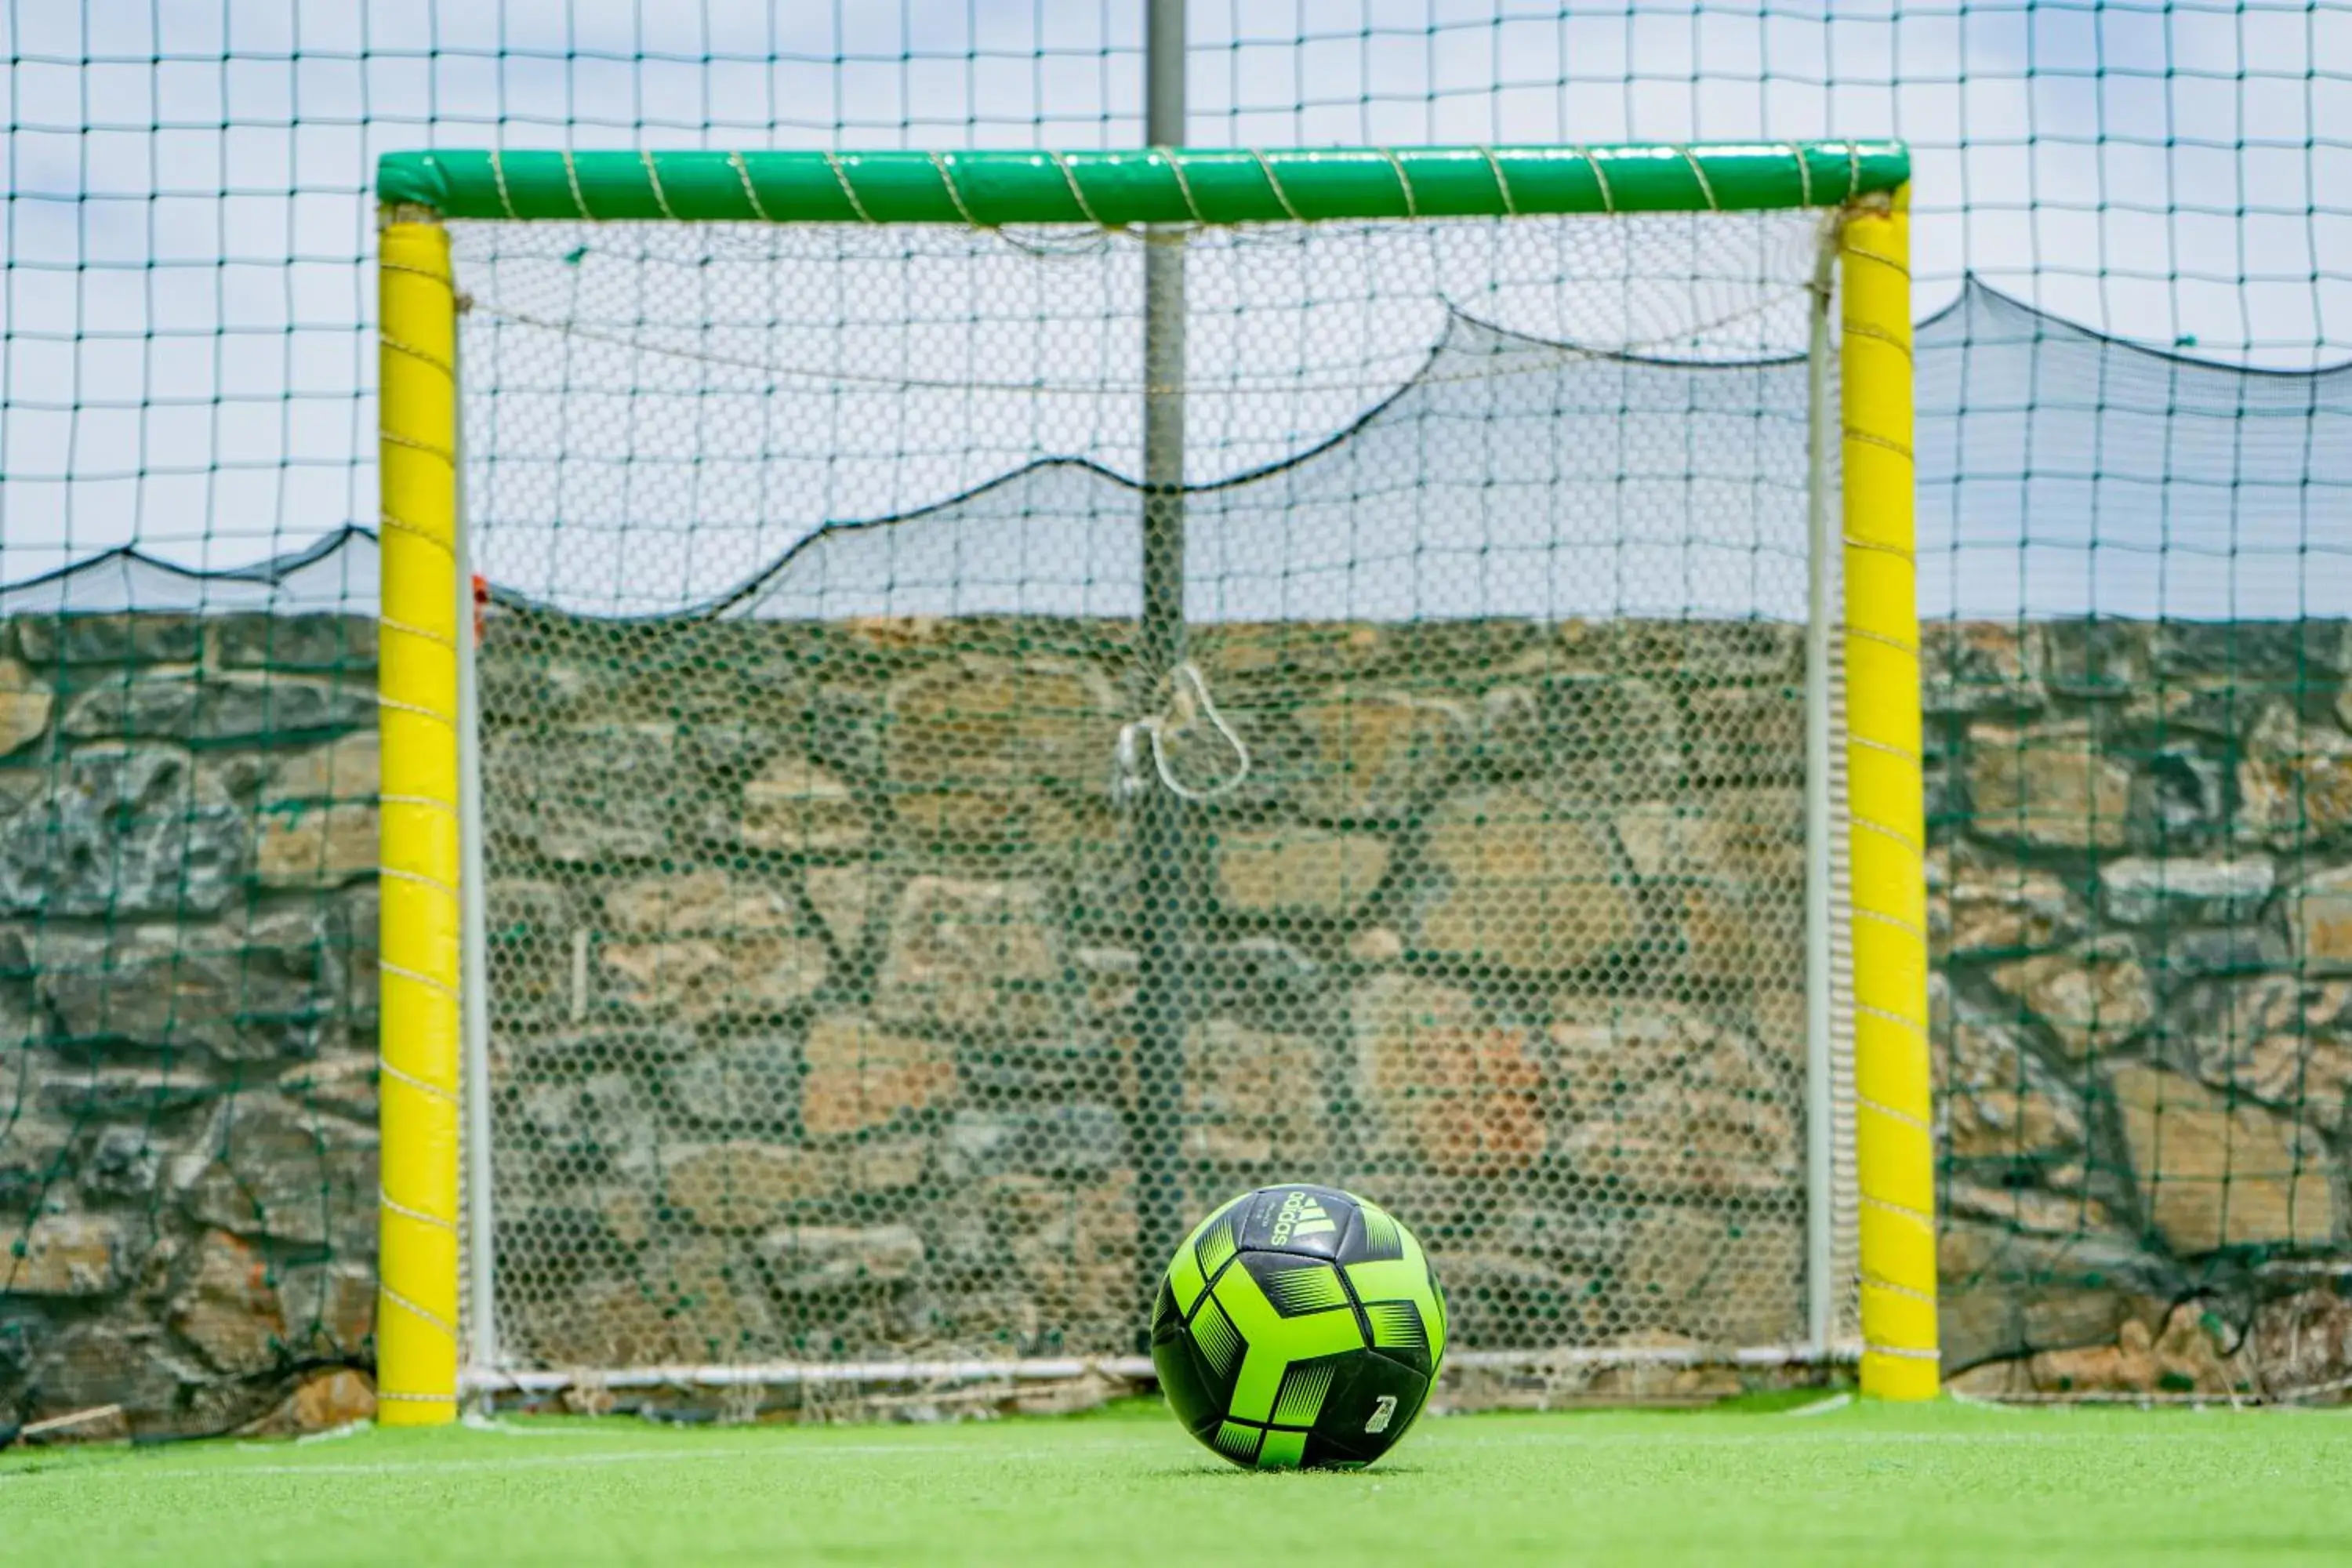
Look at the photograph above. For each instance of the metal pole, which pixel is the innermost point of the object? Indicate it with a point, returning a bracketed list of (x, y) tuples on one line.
[(1165, 878), (1819, 608), (1162, 640), (480, 1349)]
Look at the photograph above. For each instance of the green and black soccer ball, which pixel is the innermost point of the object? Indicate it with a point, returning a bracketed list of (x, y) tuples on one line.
[(1298, 1326)]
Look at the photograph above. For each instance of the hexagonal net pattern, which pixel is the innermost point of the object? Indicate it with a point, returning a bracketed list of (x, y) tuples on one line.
[(884, 955)]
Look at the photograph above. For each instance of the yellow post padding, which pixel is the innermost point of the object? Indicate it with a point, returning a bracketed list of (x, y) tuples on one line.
[(1894, 1151), (417, 1299)]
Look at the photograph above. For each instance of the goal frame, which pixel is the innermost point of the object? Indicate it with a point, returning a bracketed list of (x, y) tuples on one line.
[(426, 611)]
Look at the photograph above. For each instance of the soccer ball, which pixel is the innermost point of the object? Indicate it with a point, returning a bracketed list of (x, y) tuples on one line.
[(1299, 1325)]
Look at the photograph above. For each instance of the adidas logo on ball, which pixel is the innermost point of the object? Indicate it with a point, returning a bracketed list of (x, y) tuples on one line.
[(1300, 1216)]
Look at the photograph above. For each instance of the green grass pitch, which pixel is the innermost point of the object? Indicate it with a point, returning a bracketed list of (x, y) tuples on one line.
[(1940, 1484)]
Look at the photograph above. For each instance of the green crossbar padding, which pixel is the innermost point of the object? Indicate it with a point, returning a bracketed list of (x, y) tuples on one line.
[(1208, 185)]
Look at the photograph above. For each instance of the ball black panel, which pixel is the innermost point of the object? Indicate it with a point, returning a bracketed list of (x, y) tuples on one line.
[(1373, 1401), (1296, 1284), (1399, 1333), (1371, 1235), (1195, 1392), (1303, 1219)]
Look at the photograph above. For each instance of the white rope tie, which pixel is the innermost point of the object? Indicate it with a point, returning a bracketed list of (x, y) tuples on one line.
[(751, 194), (1078, 192), (1183, 185), (1502, 181), (841, 177), (1192, 703), (1600, 178), (1904, 1352), (1706, 186), (387, 1201), (653, 178), (498, 173), (1404, 183), (1274, 183), (572, 174), (947, 178), (432, 1318)]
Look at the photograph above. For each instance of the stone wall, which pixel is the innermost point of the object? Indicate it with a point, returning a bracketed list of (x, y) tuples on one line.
[(826, 943), (816, 955), (2142, 881), (187, 1017)]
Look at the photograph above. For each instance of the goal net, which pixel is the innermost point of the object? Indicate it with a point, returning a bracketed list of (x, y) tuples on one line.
[(927, 853)]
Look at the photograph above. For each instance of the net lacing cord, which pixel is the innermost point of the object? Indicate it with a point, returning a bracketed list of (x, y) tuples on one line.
[(498, 173), (750, 191), (1404, 183), (954, 194), (943, 165), (1274, 184), (1599, 178), (653, 178), (848, 190), (1502, 182), (1190, 702), (1269, 384), (1706, 186), (579, 196), (1183, 186), (1078, 192)]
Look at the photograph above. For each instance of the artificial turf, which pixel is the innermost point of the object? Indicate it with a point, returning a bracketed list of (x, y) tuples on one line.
[(1936, 1484)]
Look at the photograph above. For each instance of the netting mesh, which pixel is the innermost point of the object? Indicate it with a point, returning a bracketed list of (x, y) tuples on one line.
[(2133, 579), (883, 951)]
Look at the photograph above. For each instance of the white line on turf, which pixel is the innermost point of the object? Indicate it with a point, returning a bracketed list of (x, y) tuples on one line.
[(795, 1453), (491, 1424), (334, 1433), (1833, 1435)]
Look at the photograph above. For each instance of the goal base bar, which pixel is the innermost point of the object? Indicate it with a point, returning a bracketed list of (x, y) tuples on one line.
[(1054, 1369)]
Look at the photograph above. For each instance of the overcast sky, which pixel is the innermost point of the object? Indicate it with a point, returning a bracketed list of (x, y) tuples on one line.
[(186, 293)]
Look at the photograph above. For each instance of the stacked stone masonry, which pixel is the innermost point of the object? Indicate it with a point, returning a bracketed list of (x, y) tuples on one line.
[(187, 1021), (815, 953)]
